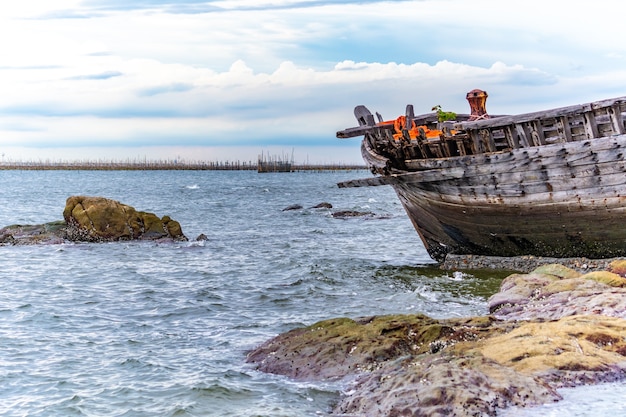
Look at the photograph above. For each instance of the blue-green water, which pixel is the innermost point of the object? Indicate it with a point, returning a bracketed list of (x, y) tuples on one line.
[(146, 329)]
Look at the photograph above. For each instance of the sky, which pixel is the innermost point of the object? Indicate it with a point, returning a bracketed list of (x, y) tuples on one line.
[(227, 80)]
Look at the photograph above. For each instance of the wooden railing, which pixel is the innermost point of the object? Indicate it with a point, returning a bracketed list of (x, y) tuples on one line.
[(566, 124)]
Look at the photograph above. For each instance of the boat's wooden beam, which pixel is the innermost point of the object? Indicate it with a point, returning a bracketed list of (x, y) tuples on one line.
[(591, 127), (486, 136), (553, 113), (617, 120), (512, 137), (567, 129), (523, 134), (364, 116), (361, 130)]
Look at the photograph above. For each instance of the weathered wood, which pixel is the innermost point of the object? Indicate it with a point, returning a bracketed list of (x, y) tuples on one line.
[(549, 183), (547, 114), (364, 116), (617, 121)]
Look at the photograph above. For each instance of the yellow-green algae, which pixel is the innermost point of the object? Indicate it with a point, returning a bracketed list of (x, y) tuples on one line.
[(416, 365)]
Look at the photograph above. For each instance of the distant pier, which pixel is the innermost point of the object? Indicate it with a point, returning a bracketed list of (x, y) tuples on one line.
[(170, 165)]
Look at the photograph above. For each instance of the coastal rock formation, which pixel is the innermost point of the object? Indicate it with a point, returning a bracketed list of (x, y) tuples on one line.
[(551, 292), (95, 219), (346, 214), (524, 263), (47, 233), (550, 328), (98, 219)]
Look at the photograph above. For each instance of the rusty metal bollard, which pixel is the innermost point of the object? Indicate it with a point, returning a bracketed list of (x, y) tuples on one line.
[(478, 104)]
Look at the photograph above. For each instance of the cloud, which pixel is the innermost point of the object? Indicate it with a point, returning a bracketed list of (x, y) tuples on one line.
[(101, 76), (164, 89), (284, 73)]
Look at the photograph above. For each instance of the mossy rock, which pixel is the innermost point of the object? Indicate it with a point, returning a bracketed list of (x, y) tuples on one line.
[(100, 219), (337, 347), (618, 267), (592, 343), (557, 270), (609, 278)]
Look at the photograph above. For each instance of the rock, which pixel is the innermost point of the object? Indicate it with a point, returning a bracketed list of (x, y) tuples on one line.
[(6, 236), (202, 238), (98, 219), (572, 346), (550, 328), (95, 219), (48, 233), (552, 292), (323, 205), (442, 385), (618, 267), (345, 214), (293, 207), (337, 347), (524, 263)]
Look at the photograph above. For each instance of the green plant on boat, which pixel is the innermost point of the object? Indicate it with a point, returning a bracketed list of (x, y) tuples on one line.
[(444, 116)]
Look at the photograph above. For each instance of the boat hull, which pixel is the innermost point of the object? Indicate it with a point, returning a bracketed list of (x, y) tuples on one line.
[(560, 200)]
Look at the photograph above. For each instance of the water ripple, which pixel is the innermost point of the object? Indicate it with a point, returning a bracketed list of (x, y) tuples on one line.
[(146, 329)]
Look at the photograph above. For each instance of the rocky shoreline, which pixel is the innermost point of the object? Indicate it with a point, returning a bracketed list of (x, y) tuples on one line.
[(521, 263), (552, 327)]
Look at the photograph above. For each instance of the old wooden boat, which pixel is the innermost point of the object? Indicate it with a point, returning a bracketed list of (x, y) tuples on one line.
[(550, 183)]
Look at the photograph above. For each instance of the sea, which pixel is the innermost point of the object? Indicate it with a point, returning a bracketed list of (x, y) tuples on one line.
[(163, 329)]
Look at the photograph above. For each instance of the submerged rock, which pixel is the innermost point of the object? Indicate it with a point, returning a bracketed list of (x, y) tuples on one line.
[(550, 328), (293, 207), (47, 233), (346, 214), (95, 219), (323, 205)]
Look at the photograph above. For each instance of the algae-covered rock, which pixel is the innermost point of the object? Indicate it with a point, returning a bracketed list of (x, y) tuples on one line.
[(557, 270), (95, 219), (540, 295), (550, 328), (618, 266), (98, 219), (606, 277), (443, 385), (47, 233), (576, 343), (337, 347), (518, 289)]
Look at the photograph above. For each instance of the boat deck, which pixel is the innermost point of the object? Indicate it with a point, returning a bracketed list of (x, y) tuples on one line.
[(491, 134)]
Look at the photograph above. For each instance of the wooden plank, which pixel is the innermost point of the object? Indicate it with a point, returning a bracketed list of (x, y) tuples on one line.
[(523, 135), (486, 137), (512, 137), (363, 130), (536, 129), (484, 221), (531, 153), (567, 130), (476, 142), (546, 114), (364, 116), (591, 128), (617, 120)]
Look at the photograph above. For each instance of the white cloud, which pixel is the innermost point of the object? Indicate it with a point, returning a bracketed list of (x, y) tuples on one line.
[(256, 74)]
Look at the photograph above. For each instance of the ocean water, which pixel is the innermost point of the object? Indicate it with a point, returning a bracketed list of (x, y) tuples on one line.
[(147, 329)]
